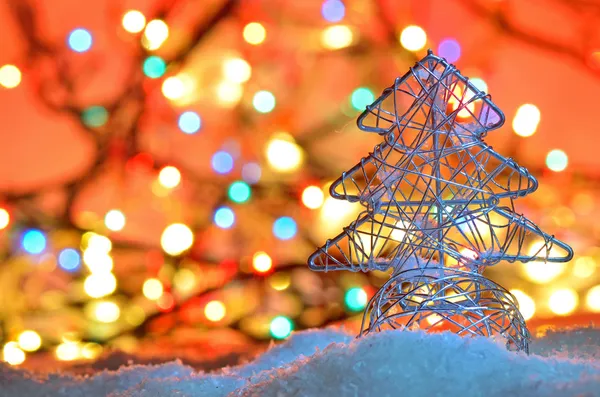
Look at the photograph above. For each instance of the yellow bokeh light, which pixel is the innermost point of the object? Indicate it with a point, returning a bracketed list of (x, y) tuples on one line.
[(155, 34), (229, 93), (262, 262), (563, 301), (97, 261), (280, 281), (215, 310), (133, 21), (584, 267), (526, 303), (4, 218), (526, 120), (336, 37), (97, 285), (152, 289), (169, 177), (10, 76), (336, 210), (313, 197), (97, 242), (184, 280), (254, 33), (557, 160), (457, 100), (541, 272), (237, 70), (134, 315), (413, 38), (67, 351), (114, 220), (29, 340), (12, 354), (592, 299), (173, 88), (283, 154), (90, 350), (107, 312), (176, 239)]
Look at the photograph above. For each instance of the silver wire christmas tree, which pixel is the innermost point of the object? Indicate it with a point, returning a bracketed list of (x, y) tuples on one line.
[(438, 210)]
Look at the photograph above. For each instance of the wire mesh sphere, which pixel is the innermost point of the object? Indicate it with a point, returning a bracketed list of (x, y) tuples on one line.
[(465, 303)]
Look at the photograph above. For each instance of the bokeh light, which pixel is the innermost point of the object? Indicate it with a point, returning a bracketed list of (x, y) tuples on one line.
[(355, 299), (12, 354), (29, 340), (97, 285), (229, 93), (154, 67), (262, 262), (361, 98), (67, 351), (169, 177), (173, 88), (254, 33), (94, 116), (10, 76), (152, 289), (189, 122), (541, 272), (449, 49), (176, 239), (313, 197), (557, 160), (281, 327), (283, 154), (34, 241), (69, 259), (106, 312), (333, 10), (133, 21), (285, 228), (114, 220), (239, 192), (413, 38), (97, 261), (4, 218), (155, 34), (222, 162), (526, 303), (526, 120), (336, 37), (592, 299), (80, 40), (264, 101), (480, 84), (585, 266), (251, 173), (237, 70), (563, 301), (224, 217), (215, 311)]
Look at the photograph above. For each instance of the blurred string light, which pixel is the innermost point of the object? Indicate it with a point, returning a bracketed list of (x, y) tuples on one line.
[(264, 101), (285, 228), (222, 162), (33, 241), (173, 88), (169, 177), (313, 197), (94, 116), (526, 303), (336, 37), (251, 173), (154, 67), (189, 122), (526, 120), (224, 217), (106, 312), (239, 192), (563, 301), (479, 84), (557, 160), (98, 285), (69, 259), (584, 267), (12, 354), (133, 21), (29, 340), (283, 154), (541, 272), (413, 38), (10, 76), (96, 241), (97, 260), (355, 299), (80, 40), (229, 93), (155, 34), (592, 299), (254, 33), (176, 239), (4, 218), (152, 289), (215, 311), (262, 262), (333, 10), (361, 98), (237, 70), (114, 220), (281, 327), (449, 49), (68, 351)]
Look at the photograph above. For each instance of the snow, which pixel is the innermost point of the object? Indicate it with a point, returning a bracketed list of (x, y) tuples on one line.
[(334, 363)]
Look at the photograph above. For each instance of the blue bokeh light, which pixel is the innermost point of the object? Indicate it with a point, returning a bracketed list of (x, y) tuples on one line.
[(449, 49), (189, 122), (285, 228), (69, 259), (222, 162), (33, 241), (80, 40), (333, 10), (224, 217)]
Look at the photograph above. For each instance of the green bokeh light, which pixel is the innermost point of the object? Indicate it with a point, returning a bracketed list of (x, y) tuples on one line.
[(94, 116), (154, 67), (239, 192), (281, 327), (355, 299), (361, 98)]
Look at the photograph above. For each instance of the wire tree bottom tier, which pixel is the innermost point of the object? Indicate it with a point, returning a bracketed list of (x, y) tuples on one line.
[(462, 302)]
